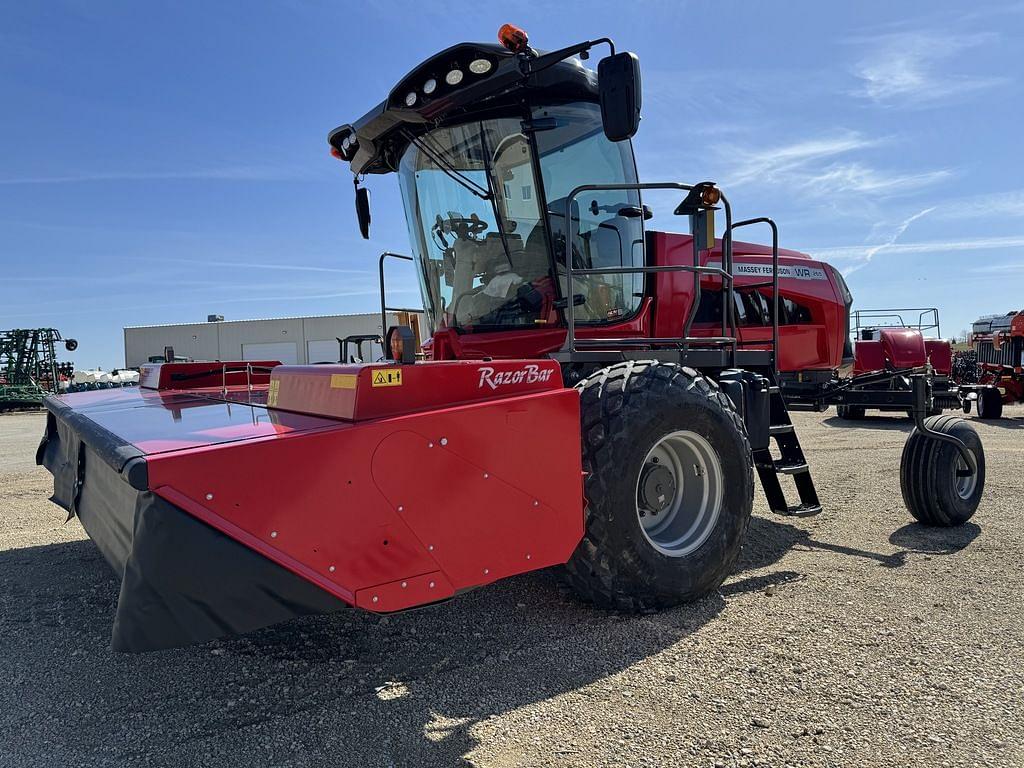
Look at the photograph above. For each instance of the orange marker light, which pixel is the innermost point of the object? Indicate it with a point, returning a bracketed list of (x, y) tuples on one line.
[(513, 38), (710, 196), (337, 153)]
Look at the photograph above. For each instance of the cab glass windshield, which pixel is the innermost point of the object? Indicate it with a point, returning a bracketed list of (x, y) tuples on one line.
[(471, 204), (607, 225), (474, 209)]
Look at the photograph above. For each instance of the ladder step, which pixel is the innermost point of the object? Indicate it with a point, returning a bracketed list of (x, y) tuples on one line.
[(780, 429), (791, 469), (800, 510)]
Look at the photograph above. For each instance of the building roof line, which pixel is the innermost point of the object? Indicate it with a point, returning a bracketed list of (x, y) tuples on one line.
[(255, 320)]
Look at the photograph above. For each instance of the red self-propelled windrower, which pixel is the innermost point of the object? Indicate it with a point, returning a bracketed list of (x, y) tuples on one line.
[(594, 395)]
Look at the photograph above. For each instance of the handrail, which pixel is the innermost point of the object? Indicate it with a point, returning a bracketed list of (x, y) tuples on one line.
[(725, 272), (774, 281), (384, 309), (861, 318)]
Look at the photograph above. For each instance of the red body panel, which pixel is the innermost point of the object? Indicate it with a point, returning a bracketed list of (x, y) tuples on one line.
[(898, 348), (361, 392), (903, 347), (868, 356), (445, 500), (157, 422), (940, 354), (384, 512), (814, 345), (817, 344), (206, 373)]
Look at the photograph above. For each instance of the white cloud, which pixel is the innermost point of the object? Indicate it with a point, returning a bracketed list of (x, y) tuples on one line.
[(855, 177), (1004, 204), (905, 67), (859, 252), (888, 243), (774, 164), (814, 165)]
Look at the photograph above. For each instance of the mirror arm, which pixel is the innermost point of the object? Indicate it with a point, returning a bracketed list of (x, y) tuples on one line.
[(531, 65)]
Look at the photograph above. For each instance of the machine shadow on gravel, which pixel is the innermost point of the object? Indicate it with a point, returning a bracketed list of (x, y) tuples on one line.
[(768, 540), (914, 537), (1006, 422), (894, 422), (407, 687)]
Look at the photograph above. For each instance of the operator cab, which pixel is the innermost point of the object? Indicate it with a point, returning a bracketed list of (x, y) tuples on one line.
[(485, 202), (488, 142)]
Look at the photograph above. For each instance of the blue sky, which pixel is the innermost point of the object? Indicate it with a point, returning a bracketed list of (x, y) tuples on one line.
[(164, 161)]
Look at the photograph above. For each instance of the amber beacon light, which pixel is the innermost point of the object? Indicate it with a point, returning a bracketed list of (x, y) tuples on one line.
[(513, 38)]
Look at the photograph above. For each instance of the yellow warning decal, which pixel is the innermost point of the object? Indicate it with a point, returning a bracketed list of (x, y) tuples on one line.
[(275, 387), (387, 377), (343, 381)]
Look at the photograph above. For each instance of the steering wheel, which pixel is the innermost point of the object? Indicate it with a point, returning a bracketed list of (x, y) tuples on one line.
[(465, 228)]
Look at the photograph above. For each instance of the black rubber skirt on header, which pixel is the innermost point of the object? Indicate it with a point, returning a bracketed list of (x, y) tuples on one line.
[(182, 581)]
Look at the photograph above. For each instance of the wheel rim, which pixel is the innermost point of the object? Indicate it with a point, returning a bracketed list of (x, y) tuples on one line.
[(965, 483), (679, 493)]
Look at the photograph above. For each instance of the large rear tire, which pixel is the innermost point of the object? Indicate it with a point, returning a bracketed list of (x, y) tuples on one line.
[(669, 487), (936, 488), (990, 403)]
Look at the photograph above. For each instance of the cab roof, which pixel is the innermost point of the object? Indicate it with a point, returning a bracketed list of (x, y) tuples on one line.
[(376, 140)]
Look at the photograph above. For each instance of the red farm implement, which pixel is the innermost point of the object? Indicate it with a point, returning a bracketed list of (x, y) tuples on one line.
[(887, 350), (992, 373), (596, 395)]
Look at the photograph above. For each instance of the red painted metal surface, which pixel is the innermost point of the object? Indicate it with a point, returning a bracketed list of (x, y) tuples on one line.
[(361, 392), (940, 354), (903, 347), (206, 373), (868, 356), (447, 344), (817, 344), (455, 497), (155, 422)]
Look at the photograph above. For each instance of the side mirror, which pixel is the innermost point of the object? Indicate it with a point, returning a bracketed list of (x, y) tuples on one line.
[(618, 82), (363, 211)]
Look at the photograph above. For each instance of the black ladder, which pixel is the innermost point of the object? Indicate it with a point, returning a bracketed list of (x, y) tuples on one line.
[(791, 462)]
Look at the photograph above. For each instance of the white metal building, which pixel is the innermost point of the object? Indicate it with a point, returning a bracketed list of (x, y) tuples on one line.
[(292, 340)]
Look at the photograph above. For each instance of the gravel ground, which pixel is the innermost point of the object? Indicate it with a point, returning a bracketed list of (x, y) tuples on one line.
[(856, 638)]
